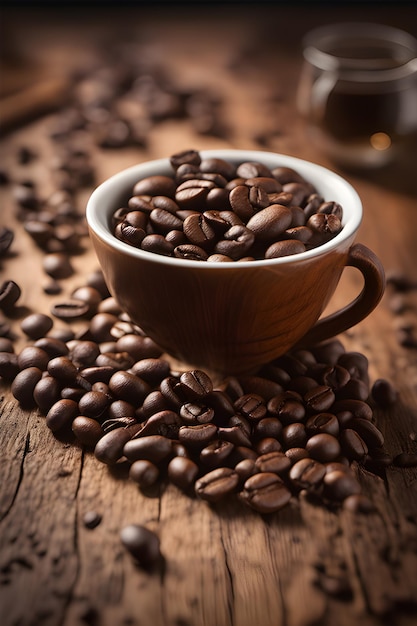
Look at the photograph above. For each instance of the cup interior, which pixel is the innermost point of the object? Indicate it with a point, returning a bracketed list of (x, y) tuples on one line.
[(116, 190)]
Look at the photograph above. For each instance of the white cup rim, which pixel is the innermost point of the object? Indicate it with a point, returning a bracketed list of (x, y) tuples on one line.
[(331, 185)]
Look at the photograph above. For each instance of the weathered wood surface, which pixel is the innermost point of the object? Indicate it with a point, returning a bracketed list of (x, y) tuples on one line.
[(225, 565)]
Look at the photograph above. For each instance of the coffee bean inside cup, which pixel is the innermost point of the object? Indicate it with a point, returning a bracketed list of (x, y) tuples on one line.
[(212, 210)]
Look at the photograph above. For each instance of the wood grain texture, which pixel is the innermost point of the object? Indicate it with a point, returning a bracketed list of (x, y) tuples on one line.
[(224, 565)]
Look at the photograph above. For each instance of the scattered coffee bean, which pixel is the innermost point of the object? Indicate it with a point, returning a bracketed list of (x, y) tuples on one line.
[(143, 545)]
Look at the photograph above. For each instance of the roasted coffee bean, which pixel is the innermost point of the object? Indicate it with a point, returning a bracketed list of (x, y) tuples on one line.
[(356, 363), (116, 360), (97, 374), (189, 157), (237, 242), (24, 385), (109, 449), (182, 472), (370, 434), (221, 404), (216, 453), (126, 386), (157, 244), (46, 392), (8, 366), (70, 309), (193, 413), (352, 445), (307, 473), (323, 423), (199, 231), (198, 436), (61, 414), (195, 385), (155, 186), (192, 194), (101, 325), (36, 325), (142, 544), (267, 444), (294, 435), (260, 386), (57, 265), (265, 492), (287, 407), (323, 447), (405, 459), (94, 404), (319, 399), (138, 346), (296, 454), (335, 377), (166, 423), (6, 240), (251, 406), (155, 448), (270, 222), (276, 462), (217, 484), (87, 430), (84, 353), (267, 427), (384, 393), (339, 485), (144, 472), (63, 369), (234, 435), (31, 356), (152, 370), (52, 346), (357, 408), (10, 293), (354, 389)]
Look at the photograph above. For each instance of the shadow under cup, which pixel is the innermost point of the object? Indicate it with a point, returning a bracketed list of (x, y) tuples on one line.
[(232, 317)]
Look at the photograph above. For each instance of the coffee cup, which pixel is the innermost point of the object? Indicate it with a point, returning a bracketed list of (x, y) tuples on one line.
[(232, 317)]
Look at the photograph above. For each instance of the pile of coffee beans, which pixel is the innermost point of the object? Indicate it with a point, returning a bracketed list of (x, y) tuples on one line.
[(212, 210), (302, 423)]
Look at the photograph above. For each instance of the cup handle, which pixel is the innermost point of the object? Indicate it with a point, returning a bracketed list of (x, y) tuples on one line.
[(373, 273)]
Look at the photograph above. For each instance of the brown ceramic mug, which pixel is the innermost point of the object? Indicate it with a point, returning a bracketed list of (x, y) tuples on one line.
[(233, 317)]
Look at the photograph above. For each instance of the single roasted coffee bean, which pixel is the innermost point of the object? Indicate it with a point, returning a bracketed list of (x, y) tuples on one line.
[(57, 265), (267, 427), (155, 448), (10, 293), (142, 544), (46, 392), (94, 404), (352, 445), (128, 387), (383, 393), (320, 398), (24, 385), (61, 415), (323, 423), (265, 492), (197, 437), (217, 484), (36, 325), (70, 310), (307, 473), (323, 447), (216, 453), (144, 472), (370, 434), (6, 240), (109, 448), (195, 385), (182, 472), (294, 435), (276, 462), (87, 430), (405, 459), (194, 413), (251, 406), (339, 485), (31, 356), (166, 423), (296, 454)]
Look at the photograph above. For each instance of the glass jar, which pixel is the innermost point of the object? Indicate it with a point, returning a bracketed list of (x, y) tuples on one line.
[(358, 91)]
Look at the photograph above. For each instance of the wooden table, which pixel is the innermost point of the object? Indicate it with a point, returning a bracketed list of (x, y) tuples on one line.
[(225, 565)]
